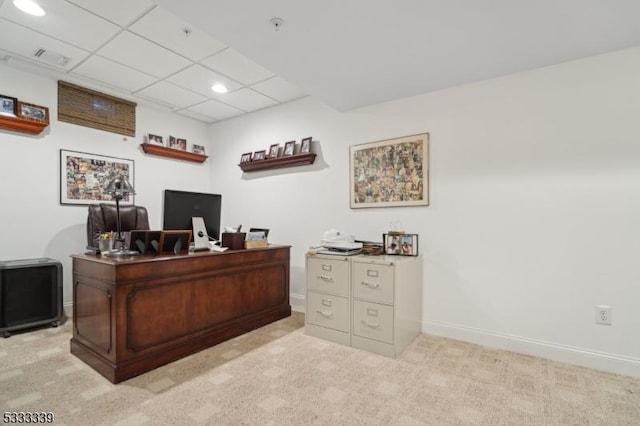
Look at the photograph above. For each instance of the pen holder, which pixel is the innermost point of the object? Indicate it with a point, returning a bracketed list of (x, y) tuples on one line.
[(233, 240)]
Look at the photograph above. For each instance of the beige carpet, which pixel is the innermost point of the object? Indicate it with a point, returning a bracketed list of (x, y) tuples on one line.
[(277, 375)]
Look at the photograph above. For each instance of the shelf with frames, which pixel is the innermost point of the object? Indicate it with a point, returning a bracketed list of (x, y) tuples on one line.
[(278, 163), (17, 124), (177, 154)]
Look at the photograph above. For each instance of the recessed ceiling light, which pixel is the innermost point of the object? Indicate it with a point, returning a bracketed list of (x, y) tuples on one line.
[(219, 88), (29, 6)]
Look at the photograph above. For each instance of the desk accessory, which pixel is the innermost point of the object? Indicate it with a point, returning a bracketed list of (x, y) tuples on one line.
[(118, 188)]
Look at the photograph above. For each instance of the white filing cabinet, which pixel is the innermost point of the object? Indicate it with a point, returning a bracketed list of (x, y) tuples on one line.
[(368, 302), (328, 313)]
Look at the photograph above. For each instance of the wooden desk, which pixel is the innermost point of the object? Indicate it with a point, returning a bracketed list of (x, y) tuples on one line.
[(134, 314)]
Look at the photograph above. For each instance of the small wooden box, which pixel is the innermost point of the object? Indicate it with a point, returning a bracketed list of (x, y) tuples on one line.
[(255, 244), (233, 240)]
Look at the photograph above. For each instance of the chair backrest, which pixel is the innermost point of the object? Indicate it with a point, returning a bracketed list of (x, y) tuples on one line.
[(102, 218)]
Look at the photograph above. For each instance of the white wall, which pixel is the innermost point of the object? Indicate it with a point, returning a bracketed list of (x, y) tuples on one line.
[(535, 200), (33, 224)]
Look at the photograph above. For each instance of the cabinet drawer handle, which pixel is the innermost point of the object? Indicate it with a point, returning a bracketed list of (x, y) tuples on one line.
[(325, 278), (370, 324), (370, 285), (326, 314)]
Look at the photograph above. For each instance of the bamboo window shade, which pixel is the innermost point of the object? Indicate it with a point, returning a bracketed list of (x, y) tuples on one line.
[(89, 108)]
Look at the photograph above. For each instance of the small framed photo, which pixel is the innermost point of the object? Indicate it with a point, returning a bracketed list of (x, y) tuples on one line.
[(33, 112), (305, 145), (245, 158), (177, 143), (400, 244), (273, 150), (197, 149), (155, 139), (8, 106), (174, 242), (259, 155), (289, 148)]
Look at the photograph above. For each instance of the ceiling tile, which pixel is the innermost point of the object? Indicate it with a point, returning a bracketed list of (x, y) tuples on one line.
[(279, 89), (122, 12), (196, 116), (168, 30), (114, 74), (215, 109), (24, 42), (171, 95), (231, 63), (87, 31), (200, 79), (246, 100), (143, 55)]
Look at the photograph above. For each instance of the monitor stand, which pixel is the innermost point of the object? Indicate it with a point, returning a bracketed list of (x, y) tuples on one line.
[(200, 237)]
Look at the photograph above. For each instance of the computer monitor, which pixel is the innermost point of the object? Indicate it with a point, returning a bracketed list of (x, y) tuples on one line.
[(180, 206)]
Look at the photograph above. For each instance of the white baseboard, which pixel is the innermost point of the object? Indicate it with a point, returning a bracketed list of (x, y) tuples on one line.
[(298, 302), (612, 363)]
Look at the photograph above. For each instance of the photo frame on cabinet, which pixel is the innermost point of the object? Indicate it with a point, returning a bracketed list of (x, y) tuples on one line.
[(273, 150), (259, 155), (305, 145), (289, 148), (37, 113), (399, 167), (174, 242), (400, 244), (8, 106)]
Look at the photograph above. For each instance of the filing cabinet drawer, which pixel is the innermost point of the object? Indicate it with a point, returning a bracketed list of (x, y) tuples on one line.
[(373, 321), (328, 311), (373, 282), (328, 275)]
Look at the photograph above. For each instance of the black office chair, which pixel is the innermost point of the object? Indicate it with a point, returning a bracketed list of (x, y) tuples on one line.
[(102, 219)]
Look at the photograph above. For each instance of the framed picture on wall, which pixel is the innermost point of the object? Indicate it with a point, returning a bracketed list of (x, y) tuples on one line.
[(84, 176), (155, 139), (273, 150), (259, 155), (390, 173), (245, 158)]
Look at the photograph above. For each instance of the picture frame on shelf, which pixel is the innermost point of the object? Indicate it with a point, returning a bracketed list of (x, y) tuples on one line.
[(8, 106), (198, 149), (259, 155), (177, 143), (273, 150), (406, 158), (246, 157), (32, 112), (289, 148), (400, 244), (305, 145), (155, 139), (84, 176)]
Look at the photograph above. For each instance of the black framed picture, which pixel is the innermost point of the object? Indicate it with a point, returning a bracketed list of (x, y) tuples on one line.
[(289, 148), (305, 145), (259, 155), (400, 244), (245, 158)]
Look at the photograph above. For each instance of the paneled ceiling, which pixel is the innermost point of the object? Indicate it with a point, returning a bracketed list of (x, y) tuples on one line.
[(348, 53)]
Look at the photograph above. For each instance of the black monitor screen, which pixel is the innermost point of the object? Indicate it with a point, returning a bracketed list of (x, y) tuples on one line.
[(181, 206)]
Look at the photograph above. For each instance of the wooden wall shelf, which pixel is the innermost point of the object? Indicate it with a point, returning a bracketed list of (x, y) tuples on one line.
[(277, 163), (163, 151), (21, 125)]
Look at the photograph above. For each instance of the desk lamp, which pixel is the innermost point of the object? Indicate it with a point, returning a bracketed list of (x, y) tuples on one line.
[(118, 188)]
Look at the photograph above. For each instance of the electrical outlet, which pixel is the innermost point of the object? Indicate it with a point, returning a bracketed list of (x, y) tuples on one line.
[(603, 315)]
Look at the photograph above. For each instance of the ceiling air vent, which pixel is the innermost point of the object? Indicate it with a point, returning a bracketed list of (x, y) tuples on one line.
[(52, 58)]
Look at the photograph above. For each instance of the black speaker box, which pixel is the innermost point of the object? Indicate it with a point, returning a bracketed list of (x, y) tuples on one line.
[(30, 294)]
